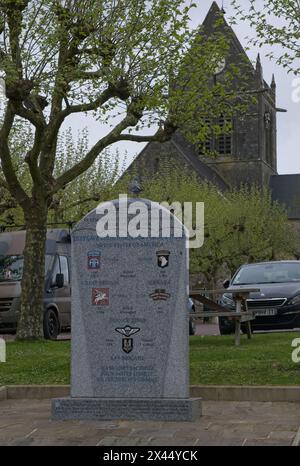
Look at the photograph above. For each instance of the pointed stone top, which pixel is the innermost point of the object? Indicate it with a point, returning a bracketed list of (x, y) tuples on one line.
[(214, 13), (258, 62), (214, 6), (135, 186), (215, 21), (273, 83), (258, 67)]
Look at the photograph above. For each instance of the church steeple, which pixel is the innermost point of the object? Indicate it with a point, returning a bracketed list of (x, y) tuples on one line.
[(273, 83), (258, 63), (213, 16), (247, 154), (252, 155), (259, 69)]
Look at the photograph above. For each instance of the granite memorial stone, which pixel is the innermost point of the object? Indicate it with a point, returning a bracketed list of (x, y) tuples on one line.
[(130, 357)]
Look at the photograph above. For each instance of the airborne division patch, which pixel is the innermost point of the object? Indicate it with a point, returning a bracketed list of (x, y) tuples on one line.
[(160, 295)]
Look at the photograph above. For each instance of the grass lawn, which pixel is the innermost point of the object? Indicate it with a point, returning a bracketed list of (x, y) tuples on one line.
[(42, 362), (263, 360), (266, 359)]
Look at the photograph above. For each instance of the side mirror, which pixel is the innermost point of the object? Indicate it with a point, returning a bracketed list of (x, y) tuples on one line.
[(59, 280), (226, 283)]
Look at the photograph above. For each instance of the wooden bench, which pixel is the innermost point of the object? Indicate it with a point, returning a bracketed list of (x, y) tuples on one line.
[(241, 313)]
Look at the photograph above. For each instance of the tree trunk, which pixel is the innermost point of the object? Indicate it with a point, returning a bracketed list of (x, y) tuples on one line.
[(30, 323)]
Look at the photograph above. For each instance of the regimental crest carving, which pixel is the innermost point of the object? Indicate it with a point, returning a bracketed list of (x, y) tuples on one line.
[(94, 260), (127, 332), (162, 258), (160, 295), (127, 345), (100, 296)]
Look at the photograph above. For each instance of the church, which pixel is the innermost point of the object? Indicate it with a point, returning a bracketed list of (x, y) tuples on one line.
[(248, 155)]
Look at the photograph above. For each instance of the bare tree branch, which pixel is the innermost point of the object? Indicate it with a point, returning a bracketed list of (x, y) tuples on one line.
[(162, 135), (88, 160), (33, 154), (6, 161), (36, 119)]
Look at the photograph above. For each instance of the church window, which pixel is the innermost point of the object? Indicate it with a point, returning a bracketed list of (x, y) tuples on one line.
[(220, 143), (224, 140)]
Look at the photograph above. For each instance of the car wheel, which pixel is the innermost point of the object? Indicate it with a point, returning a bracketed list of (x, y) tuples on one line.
[(192, 328), (51, 325), (226, 326)]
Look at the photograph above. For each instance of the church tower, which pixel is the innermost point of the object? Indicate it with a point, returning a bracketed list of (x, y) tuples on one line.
[(247, 155)]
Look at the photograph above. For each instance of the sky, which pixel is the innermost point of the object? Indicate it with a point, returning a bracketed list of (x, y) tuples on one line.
[(288, 124)]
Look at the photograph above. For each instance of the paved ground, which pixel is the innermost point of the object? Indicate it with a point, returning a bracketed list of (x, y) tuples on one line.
[(207, 329), (213, 329), (12, 337), (201, 329), (27, 422)]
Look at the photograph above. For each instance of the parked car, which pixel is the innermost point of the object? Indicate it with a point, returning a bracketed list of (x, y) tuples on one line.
[(277, 305), (192, 326), (57, 296)]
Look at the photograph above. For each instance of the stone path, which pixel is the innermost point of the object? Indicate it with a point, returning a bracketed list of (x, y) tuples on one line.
[(27, 422)]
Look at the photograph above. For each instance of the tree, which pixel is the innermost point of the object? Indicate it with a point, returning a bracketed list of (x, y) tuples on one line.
[(277, 23), (80, 196), (118, 59), (87, 190), (20, 140), (240, 226)]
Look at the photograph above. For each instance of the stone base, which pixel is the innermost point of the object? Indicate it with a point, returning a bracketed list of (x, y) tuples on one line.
[(145, 409)]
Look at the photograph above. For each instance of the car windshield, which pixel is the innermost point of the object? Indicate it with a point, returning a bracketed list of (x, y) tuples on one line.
[(11, 267), (284, 272)]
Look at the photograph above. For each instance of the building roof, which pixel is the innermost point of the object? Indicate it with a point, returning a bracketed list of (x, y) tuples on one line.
[(286, 190), (188, 152), (203, 170)]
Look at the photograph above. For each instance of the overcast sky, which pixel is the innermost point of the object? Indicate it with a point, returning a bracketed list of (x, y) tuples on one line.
[(288, 124)]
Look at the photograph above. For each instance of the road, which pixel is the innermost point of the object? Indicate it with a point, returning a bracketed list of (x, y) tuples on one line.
[(201, 330)]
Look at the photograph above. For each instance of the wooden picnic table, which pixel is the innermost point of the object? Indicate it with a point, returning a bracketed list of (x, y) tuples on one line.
[(241, 313)]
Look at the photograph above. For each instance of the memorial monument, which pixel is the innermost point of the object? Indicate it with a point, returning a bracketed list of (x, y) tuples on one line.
[(130, 322)]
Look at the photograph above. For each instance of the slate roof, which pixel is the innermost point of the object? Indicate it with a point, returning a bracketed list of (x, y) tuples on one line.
[(286, 190), (213, 17), (203, 170), (188, 152)]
